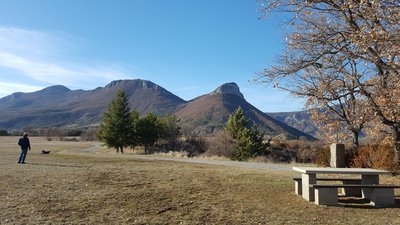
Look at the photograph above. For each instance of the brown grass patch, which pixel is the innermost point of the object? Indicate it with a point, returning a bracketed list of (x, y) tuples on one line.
[(103, 189)]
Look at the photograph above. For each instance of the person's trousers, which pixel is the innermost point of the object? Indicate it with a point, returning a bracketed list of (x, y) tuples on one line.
[(22, 157)]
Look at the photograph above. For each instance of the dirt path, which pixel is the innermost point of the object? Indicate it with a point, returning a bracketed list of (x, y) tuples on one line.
[(248, 165)]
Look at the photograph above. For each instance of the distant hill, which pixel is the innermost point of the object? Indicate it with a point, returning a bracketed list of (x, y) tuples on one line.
[(208, 113), (58, 106), (300, 120)]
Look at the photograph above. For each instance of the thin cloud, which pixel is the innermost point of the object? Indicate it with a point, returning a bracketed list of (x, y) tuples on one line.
[(42, 57), (56, 73), (7, 88)]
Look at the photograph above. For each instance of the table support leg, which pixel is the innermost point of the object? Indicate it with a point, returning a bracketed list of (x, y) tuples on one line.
[(354, 192), (369, 179), (306, 180)]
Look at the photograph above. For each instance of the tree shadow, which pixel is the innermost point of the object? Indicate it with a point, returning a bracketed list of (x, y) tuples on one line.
[(349, 202)]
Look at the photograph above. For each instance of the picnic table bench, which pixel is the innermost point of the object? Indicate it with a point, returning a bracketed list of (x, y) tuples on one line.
[(346, 191), (381, 194)]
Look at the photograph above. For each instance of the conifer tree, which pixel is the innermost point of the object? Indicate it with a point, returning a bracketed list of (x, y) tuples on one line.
[(237, 121), (134, 137), (249, 141), (116, 124), (149, 130), (170, 130)]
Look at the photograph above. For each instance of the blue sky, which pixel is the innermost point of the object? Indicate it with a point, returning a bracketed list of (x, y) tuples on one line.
[(188, 47)]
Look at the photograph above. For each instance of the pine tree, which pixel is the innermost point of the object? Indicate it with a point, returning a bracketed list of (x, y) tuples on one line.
[(248, 141), (116, 124), (237, 121), (134, 137), (148, 130), (170, 130)]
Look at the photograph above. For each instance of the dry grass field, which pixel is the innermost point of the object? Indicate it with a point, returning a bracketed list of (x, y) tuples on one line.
[(65, 188)]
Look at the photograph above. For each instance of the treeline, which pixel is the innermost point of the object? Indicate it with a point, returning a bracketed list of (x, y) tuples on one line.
[(121, 128), (56, 133), (4, 133)]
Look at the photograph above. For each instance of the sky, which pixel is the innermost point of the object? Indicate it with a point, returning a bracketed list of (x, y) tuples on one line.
[(188, 47)]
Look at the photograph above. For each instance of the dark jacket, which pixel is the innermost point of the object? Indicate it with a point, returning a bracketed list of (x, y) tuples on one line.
[(24, 143)]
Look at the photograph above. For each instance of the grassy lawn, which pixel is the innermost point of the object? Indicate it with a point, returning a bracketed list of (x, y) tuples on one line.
[(61, 188)]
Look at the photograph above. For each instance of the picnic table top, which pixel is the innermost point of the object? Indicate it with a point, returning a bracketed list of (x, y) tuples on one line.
[(329, 170)]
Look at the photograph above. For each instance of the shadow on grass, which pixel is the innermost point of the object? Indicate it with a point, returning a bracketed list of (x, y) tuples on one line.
[(361, 203), (57, 165)]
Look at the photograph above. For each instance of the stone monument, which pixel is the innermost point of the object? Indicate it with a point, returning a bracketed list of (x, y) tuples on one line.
[(337, 156)]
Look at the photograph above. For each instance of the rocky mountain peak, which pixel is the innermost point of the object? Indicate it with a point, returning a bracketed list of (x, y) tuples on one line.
[(117, 83), (228, 88), (148, 85), (138, 83)]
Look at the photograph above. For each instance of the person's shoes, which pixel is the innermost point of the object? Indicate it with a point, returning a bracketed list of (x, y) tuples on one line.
[(23, 163), (19, 162)]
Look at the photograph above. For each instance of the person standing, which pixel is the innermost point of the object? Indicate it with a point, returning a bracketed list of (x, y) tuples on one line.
[(25, 146)]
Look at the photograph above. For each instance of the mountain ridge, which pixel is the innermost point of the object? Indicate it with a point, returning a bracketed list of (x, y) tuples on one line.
[(58, 106)]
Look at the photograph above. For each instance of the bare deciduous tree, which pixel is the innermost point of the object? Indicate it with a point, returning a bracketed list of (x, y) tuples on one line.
[(358, 41)]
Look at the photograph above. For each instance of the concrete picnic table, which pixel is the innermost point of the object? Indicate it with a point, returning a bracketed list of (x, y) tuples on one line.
[(309, 175)]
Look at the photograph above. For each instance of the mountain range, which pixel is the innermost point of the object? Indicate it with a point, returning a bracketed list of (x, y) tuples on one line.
[(300, 120), (58, 106)]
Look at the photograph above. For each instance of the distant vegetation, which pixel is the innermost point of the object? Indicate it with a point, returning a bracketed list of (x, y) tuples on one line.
[(122, 128), (3, 133), (238, 140)]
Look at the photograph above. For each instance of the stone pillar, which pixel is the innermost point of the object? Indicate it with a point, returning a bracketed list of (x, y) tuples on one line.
[(337, 156)]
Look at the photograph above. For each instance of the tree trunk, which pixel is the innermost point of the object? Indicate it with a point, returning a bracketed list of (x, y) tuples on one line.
[(396, 140), (356, 141), (122, 149)]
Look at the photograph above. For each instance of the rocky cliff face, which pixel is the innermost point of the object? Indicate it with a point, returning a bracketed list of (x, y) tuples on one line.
[(300, 120), (228, 88)]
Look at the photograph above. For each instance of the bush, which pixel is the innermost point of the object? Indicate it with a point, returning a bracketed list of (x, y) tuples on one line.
[(190, 146), (195, 146), (280, 153), (300, 151), (323, 157), (379, 156), (221, 145), (74, 139), (73, 133), (306, 151), (89, 135)]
